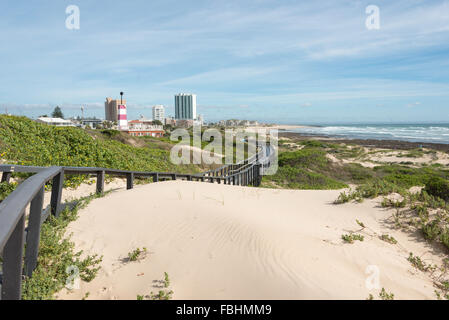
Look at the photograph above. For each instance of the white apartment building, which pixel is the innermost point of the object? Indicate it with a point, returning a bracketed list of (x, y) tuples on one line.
[(159, 113), (185, 106)]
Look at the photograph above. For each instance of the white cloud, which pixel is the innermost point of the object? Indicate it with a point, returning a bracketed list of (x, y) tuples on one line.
[(414, 104)]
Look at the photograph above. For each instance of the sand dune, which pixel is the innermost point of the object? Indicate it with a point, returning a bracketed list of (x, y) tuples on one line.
[(230, 242)]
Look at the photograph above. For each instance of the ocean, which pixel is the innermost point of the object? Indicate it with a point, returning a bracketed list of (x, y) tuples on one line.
[(435, 133)]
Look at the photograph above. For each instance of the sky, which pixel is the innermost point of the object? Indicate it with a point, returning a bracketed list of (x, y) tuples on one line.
[(279, 61)]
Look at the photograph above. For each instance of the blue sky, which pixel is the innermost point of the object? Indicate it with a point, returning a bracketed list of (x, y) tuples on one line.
[(283, 61)]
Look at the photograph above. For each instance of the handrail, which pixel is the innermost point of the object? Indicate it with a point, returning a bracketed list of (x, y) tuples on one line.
[(15, 204), (31, 191)]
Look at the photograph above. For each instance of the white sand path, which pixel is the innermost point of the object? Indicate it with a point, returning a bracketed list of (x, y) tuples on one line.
[(231, 242)]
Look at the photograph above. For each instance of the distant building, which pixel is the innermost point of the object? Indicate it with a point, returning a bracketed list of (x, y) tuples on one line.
[(254, 123), (93, 123), (170, 121), (185, 123), (56, 122), (111, 109), (185, 106), (144, 127), (159, 113)]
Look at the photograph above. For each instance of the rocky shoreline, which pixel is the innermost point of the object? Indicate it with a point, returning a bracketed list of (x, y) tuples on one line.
[(387, 144)]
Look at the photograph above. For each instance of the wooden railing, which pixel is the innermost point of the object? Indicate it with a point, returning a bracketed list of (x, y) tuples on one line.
[(15, 233)]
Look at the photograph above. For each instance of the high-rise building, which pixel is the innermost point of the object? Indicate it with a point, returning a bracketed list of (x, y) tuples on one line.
[(159, 113), (111, 109), (185, 106)]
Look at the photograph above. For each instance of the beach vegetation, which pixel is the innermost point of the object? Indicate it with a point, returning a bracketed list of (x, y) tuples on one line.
[(360, 223), (431, 230), (166, 280), (137, 254), (312, 167), (164, 294), (6, 188), (384, 295), (438, 187), (388, 238), (161, 295), (57, 253), (350, 238), (418, 263), (27, 142)]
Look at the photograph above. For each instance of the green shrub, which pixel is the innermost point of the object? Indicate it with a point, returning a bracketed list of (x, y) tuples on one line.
[(418, 263), (110, 132), (431, 230), (438, 187), (305, 158), (377, 188), (350, 238), (6, 189), (300, 178), (444, 237), (357, 172)]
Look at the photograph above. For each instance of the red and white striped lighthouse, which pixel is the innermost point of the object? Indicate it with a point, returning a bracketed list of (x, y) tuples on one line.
[(122, 119)]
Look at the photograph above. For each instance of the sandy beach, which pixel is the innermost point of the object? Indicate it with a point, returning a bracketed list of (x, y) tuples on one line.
[(230, 242)]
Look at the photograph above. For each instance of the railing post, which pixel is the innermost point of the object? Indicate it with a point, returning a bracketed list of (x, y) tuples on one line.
[(254, 174), (156, 177), (173, 176), (129, 180), (56, 193), (189, 178), (100, 182), (257, 150), (250, 173), (33, 232), (6, 176), (12, 263)]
